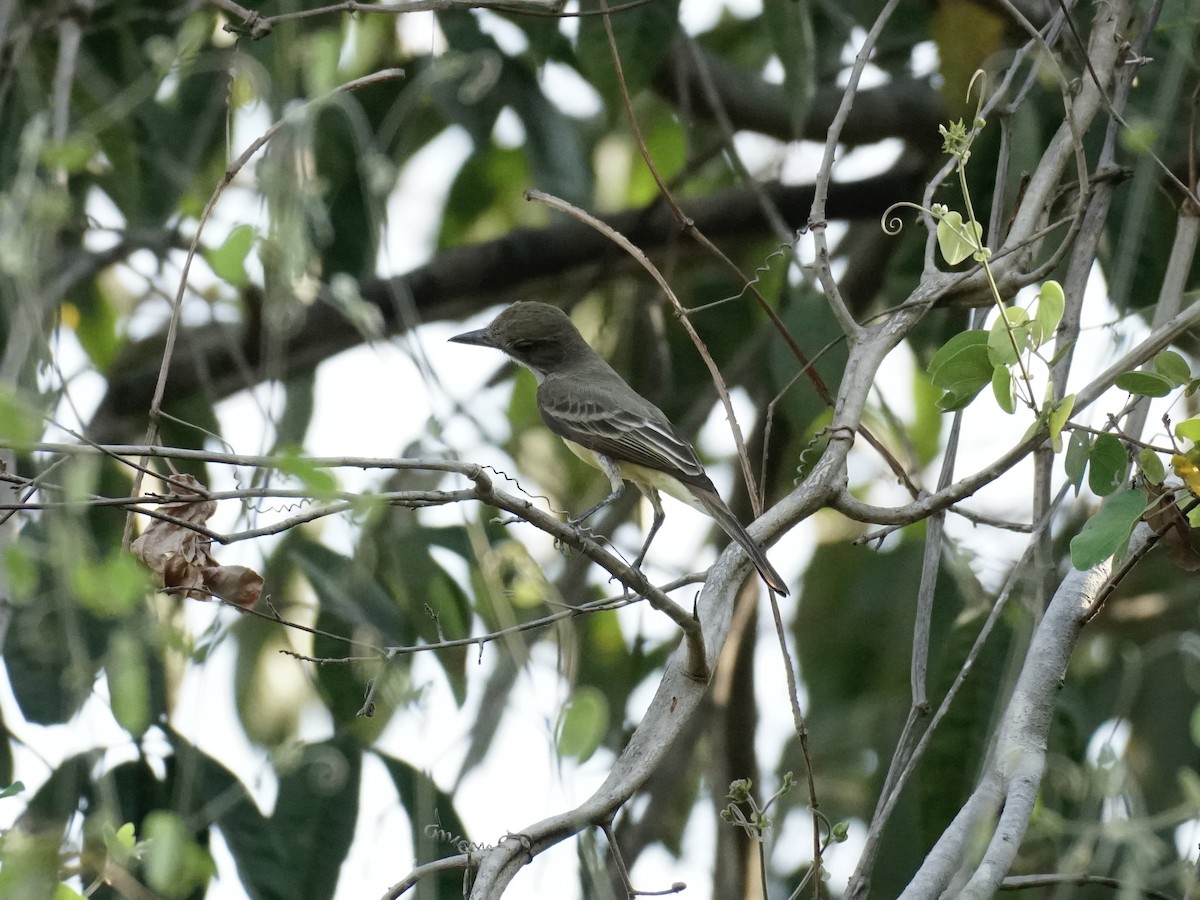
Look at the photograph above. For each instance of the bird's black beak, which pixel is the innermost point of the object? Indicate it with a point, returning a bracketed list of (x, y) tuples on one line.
[(480, 338)]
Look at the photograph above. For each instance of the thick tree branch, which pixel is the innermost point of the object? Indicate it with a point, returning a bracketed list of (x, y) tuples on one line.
[(906, 108), (1013, 774)]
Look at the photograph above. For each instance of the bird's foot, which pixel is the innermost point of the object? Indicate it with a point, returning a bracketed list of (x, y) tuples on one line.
[(582, 531)]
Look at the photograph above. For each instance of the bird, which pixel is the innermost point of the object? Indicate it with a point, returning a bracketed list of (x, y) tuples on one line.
[(608, 424)]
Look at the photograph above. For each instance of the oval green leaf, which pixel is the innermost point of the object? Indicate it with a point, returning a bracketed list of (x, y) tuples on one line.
[(1049, 310), (1107, 532), (1173, 367), (583, 724), (961, 368), (1009, 337), (1144, 384), (1188, 430), (954, 237), (1151, 465), (228, 261), (128, 682)]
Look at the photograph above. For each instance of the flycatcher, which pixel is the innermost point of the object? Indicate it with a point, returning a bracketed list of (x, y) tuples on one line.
[(608, 424)]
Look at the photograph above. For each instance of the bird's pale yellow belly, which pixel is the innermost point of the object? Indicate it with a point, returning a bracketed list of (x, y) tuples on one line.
[(641, 475)]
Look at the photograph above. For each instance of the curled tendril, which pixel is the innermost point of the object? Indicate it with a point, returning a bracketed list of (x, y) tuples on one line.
[(435, 831), (891, 223), (781, 250), (979, 77), (328, 770)]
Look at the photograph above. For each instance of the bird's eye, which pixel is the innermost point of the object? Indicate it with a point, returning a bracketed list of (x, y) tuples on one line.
[(523, 345)]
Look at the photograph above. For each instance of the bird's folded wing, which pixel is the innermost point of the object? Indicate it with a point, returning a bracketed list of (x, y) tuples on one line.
[(620, 425)]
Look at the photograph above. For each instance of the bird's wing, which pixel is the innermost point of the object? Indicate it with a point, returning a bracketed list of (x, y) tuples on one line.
[(611, 418)]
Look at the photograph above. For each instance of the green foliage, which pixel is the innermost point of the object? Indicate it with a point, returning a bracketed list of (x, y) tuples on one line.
[(1107, 464), (1108, 531), (961, 368), (175, 864), (583, 724), (958, 240), (642, 35)]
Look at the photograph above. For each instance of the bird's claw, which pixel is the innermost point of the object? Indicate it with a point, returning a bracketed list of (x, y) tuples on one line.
[(582, 531)]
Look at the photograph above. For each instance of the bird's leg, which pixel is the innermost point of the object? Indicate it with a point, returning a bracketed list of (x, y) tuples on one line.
[(610, 468), (655, 502)]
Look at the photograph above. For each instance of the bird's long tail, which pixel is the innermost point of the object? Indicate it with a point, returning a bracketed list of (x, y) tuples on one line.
[(731, 526)]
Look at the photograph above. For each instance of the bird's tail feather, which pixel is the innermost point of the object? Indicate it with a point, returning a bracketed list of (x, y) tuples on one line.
[(731, 526)]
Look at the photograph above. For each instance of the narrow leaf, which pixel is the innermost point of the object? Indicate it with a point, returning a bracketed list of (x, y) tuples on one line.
[(1002, 388), (1059, 417), (1075, 464)]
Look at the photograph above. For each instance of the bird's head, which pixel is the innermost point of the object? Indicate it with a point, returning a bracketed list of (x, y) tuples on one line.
[(537, 335)]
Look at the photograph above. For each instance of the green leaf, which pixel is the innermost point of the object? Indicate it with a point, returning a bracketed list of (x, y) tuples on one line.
[(128, 682), (1173, 367), (436, 829), (346, 589), (961, 368), (1139, 137), (958, 240), (20, 422), (175, 865), (1151, 465), (1009, 337), (112, 587), (1188, 430), (317, 480), (73, 153), (583, 723), (790, 32), (12, 790), (1060, 353), (1002, 388), (1108, 462), (229, 260), (1106, 532), (643, 36), (262, 860), (1075, 464), (317, 810), (1144, 384), (29, 864), (925, 428), (1049, 310), (120, 842), (1059, 416), (1187, 779)]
